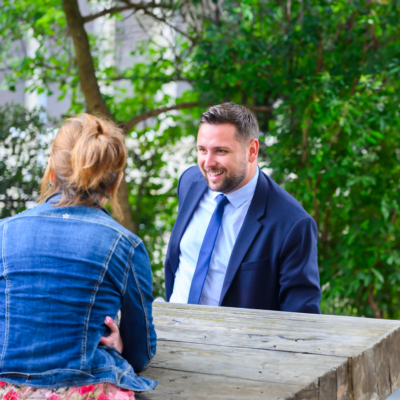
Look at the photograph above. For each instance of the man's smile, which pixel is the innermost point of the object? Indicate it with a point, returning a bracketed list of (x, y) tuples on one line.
[(214, 175)]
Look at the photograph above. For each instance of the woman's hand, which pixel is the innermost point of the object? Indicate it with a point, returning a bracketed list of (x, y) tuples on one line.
[(114, 338)]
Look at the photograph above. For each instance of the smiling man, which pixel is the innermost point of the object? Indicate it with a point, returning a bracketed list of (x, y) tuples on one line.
[(239, 239)]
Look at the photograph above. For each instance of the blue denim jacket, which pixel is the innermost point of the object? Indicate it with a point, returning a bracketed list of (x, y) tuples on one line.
[(62, 271)]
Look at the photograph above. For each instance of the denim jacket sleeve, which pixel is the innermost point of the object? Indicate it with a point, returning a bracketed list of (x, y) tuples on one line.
[(137, 329)]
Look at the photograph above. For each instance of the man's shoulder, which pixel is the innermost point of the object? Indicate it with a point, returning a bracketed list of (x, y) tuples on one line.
[(283, 203), (191, 174)]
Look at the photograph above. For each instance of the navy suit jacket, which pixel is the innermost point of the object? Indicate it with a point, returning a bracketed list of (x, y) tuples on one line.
[(273, 265)]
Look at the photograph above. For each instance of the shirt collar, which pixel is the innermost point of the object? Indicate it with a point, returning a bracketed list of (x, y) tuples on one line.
[(240, 196)]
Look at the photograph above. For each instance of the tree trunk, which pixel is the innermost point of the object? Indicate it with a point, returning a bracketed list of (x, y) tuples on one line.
[(90, 88), (123, 200), (87, 74)]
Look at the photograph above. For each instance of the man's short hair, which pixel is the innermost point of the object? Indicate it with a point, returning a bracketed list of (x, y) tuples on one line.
[(230, 113)]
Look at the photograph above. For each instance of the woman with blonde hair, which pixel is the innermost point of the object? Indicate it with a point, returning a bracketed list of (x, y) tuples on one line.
[(65, 266)]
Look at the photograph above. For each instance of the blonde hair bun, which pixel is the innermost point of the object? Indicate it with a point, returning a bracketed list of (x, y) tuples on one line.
[(87, 161)]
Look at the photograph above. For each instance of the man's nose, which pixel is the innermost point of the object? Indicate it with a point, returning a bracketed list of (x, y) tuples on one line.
[(210, 161)]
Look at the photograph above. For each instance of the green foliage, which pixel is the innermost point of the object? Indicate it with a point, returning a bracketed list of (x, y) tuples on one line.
[(35, 48)]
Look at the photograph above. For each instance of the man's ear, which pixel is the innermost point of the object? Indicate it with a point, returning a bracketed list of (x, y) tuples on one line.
[(253, 148)]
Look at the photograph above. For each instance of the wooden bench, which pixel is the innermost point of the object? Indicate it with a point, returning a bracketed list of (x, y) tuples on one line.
[(229, 353)]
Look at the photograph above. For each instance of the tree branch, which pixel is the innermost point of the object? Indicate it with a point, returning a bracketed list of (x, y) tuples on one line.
[(320, 62), (324, 236), (166, 79), (261, 108), (288, 10), (154, 113), (107, 11), (336, 135), (315, 200), (164, 20), (394, 216), (392, 221), (306, 128), (373, 305), (129, 6)]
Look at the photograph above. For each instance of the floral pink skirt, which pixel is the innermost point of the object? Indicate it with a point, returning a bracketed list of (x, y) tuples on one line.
[(100, 391)]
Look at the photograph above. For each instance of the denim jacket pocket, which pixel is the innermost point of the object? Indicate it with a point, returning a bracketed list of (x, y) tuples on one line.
[(75, 373), (14, 374), (248, 266)]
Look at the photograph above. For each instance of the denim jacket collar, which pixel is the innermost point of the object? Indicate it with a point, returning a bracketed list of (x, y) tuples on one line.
[(56, 196)]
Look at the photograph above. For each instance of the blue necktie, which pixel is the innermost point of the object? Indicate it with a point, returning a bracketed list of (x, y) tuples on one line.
[(206, 250)]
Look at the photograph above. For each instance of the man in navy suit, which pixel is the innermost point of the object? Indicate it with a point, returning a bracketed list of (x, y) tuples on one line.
[(239, 239)]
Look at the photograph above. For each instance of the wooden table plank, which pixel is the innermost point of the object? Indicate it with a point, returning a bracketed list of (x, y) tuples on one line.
[(190, 385), (338, 337), (207, 351), (264, 365)]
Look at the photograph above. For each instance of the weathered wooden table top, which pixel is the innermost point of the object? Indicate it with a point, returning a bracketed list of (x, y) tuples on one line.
[(229, 353)]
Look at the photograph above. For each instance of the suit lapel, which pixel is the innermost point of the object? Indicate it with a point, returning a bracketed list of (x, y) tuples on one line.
[(248, 232), (185, 214)]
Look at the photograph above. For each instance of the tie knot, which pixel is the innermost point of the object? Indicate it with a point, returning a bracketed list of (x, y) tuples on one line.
[(221, 200)]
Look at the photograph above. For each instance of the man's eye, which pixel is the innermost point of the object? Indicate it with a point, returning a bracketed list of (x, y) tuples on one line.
[(221, 151)]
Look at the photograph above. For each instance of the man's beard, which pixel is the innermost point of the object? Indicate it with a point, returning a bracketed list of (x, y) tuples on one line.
[(230, 182)]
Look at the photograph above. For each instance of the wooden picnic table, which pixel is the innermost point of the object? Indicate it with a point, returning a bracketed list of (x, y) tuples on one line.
[(232, 353)]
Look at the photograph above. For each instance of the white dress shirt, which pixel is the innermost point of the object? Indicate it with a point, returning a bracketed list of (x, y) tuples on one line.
[(234, 214)]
